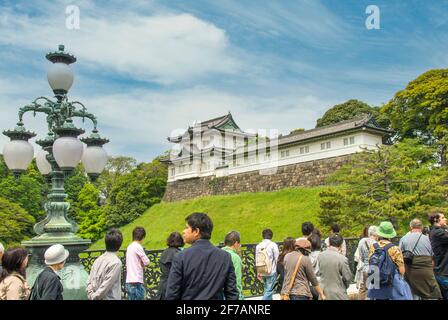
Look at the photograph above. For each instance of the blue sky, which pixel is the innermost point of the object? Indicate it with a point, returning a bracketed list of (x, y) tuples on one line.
[(147, 69)]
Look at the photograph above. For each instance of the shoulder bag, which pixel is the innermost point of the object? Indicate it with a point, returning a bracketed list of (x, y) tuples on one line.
[(286, 295)]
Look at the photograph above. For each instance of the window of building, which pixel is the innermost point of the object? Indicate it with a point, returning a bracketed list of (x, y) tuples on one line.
[(305, 149), (234, 142), (284, 153), (190, 167), (172, 172), (325, 145), (348, 141)]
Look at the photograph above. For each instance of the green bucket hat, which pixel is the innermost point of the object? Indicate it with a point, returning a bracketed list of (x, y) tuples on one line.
[(386, 230)]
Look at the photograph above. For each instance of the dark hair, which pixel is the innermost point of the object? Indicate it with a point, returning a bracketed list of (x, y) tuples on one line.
[(434, 217), (288, 246), (175, 240), (138, 234), (315, 232), (365, 232), (231, 238), (425, 231), (267, 234), (335, 228), (316, 242), (336, 240), (201, 221), (113, 240), (12, 261), (307, 228)]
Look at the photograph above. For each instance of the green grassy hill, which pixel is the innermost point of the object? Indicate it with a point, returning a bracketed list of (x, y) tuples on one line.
[(249, 213)]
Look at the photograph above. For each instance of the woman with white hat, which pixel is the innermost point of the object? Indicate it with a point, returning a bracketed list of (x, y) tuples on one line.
[(48, 285)]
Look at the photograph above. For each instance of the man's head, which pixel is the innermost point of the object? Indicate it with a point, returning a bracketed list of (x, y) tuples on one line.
[(416, 224), (336, 240), (267, 234), (55, 256), (371, 233), (138, 234), (113, 240), (307, 228), (2, 250), (335, 228), (198, 226), (437, 219), (232, 240)]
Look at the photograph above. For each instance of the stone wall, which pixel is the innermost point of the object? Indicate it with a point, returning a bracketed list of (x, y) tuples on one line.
[(311, 173)]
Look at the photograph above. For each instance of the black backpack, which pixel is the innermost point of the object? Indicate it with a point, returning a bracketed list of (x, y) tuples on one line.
[(380, 260)]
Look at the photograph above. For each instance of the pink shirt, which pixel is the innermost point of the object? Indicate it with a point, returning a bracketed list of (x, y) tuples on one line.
[(136, 260)]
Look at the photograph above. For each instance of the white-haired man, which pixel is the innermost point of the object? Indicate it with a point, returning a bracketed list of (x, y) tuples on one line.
[(418, 255), (362, 257)]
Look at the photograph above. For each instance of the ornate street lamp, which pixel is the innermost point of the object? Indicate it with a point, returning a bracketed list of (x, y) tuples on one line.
[(61, 152)]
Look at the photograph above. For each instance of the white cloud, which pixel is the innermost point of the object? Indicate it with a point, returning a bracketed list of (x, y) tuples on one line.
[(143, 119), (163, 48)]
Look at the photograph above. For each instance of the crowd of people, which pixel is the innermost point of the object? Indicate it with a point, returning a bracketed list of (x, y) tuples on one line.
[(307, 268)]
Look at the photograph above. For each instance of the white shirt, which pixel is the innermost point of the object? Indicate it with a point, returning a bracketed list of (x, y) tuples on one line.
[(272, 252)]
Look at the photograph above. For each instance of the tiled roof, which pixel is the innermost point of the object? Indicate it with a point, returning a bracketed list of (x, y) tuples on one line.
[(358, 122), (209, 124)]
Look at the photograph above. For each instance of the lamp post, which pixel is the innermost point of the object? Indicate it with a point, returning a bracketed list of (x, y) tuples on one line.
[(60, 154)]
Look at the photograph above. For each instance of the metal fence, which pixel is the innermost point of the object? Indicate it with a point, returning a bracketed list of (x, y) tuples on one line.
[(251, 286)]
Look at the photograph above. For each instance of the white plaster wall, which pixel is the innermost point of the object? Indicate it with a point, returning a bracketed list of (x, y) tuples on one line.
[(362, 139)]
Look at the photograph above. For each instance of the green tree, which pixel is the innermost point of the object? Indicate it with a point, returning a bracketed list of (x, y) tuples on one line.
[(73, 184), (349, 110), (29, 190), (133, 193), (91, 217), (26, 192), (115, 167), (15, 224), (395, 183), (421, 111), (297, 130)]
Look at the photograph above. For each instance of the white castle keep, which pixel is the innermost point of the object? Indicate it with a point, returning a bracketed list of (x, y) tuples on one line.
[(218, 147)]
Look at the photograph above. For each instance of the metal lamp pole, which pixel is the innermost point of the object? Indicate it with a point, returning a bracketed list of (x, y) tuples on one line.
[(61, 152)]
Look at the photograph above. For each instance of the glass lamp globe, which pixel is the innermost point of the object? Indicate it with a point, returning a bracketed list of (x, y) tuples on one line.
[(67, 152), (60, 76), (42, 163), (18, 155), (94, 159)]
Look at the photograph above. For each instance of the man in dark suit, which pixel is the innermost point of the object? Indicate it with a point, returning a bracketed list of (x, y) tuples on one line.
[(201, 272)]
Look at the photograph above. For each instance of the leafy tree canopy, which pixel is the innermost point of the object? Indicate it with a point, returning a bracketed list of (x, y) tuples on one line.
[(28, 191), (297, 130), (91, 217), (15, 224), (116, 167), (395, 183), (421, 110), (133, 193), (349, 110)]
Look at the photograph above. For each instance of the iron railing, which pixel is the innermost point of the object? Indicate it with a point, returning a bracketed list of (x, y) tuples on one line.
[(251, 286)]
